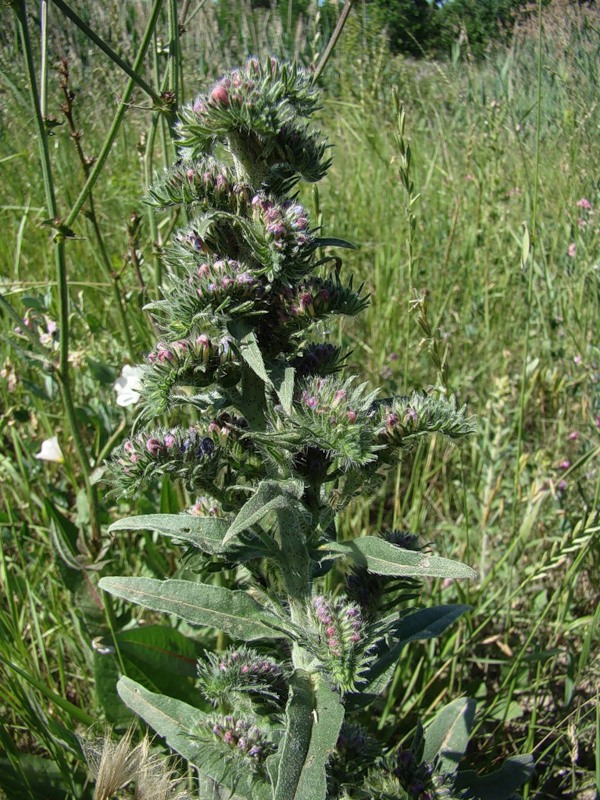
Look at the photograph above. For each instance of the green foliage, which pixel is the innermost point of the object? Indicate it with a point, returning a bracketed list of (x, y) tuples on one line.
[(298, 448), (507, 505)]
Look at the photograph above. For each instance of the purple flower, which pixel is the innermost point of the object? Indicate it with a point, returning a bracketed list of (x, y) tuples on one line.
[(154, 447)]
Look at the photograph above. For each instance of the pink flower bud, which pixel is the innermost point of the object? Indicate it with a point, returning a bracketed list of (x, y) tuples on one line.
[(220, 95), (154, 447)]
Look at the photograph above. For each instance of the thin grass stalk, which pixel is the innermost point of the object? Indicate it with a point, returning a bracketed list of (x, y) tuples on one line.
[(65, 705), (63, 372), (529, 261), (118, 118), (123, 65)]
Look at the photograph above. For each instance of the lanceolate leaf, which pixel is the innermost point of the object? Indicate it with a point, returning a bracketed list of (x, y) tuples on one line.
[(252, 355), (314, 716), (384, 558), (159, 648), (172, 719), (499, 785), (427, 623), (233, 612), (283, 381), (205, 533), (178, 724), (270, 496), (447, 735)]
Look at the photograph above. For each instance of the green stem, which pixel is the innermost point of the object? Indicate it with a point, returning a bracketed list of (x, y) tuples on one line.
[(61, 278), (44, 59), (334, 38), (67, 109), (174, 53), (151, 213), (133, 74), (116, 124)]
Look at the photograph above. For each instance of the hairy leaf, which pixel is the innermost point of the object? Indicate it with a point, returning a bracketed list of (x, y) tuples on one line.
[(233, 612), (205, 533), (501, 784), (314, 716), (270, 496), (385, 558), (447, 735)]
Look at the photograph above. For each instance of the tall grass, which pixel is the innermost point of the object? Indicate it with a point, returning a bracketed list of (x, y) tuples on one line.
[(520, 504)]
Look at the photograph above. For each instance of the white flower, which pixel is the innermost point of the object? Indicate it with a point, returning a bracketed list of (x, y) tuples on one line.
[(129, 386), (51, 451)]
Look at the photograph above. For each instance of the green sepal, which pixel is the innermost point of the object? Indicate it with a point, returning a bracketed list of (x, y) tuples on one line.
[(233, 612), (334, 242), (385, 558)]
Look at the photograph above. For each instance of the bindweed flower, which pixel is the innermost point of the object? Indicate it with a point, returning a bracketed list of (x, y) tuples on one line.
[(572, 250), (50, 451), (128, 386), (585, 204)]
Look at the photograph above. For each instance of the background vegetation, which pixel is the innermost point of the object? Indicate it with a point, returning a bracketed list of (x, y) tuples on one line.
[(484, 281)]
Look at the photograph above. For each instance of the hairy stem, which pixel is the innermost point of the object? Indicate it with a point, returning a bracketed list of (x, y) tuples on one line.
[(63, 372)]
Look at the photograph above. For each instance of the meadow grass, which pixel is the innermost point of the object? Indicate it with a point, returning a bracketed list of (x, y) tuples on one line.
[(496, 301)]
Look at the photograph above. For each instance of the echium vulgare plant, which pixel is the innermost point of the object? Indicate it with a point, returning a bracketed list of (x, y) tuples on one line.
[(276, 442)]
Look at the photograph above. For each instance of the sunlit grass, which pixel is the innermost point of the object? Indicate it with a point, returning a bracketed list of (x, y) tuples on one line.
[(519, 504)]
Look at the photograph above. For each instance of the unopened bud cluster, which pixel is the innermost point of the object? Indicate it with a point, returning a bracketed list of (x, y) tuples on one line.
[(340, 635), (420, 782), (183, 453), (206, 507), (224, 677), (243, 740), (419, 414), (195, 362)]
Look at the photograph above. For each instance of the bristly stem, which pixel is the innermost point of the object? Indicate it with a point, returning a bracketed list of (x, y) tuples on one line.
[(86, 165), (118, 118), (63, 372), (123, 65), (334, 38)]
